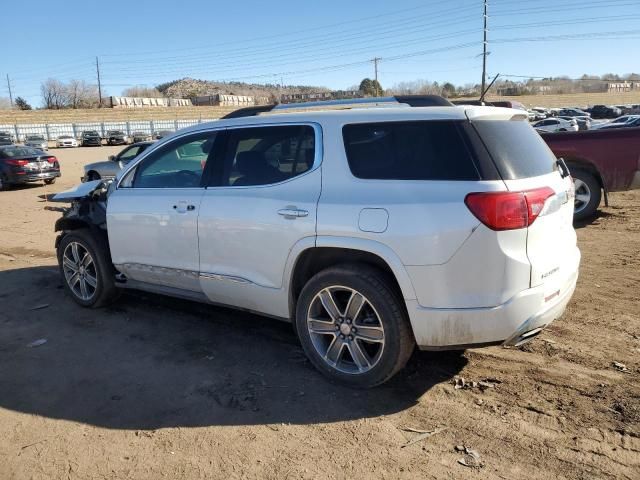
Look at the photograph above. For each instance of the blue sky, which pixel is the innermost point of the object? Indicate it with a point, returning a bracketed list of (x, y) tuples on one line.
[(324, 43)]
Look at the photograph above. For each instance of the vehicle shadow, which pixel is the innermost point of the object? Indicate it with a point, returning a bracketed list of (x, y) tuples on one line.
[(149, 362), (588, 221)]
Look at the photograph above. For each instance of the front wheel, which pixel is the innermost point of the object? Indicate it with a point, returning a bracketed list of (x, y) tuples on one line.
[(50, 181), (86, 269), (353, 325)]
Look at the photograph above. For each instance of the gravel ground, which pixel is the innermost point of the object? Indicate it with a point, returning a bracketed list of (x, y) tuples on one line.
[(160, 388)]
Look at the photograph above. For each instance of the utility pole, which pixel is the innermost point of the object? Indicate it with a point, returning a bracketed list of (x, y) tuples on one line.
[(375, 67), (9, 87), (99, 84), (484, 51)]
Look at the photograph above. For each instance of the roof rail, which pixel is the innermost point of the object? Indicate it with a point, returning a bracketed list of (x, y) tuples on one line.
[(410, 100)]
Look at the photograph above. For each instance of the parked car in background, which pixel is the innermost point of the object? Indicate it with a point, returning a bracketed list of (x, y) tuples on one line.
[(21, 164), (572, 112), (333, 220), (599, 161), (139, 136), (633, 122), (603, 111), (6, 139), (117, 137), (620, 121), (556, 125), (36, 141), (90, 138), (584, 123), (109, 169), (161, 134), (535, 115), (66, 141)]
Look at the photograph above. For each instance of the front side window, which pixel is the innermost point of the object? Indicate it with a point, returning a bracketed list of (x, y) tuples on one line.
[(130, 153), (424, 150), (179, 164), (267, 155)]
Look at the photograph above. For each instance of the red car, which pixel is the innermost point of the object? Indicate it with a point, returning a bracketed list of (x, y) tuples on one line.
[(599, 161)]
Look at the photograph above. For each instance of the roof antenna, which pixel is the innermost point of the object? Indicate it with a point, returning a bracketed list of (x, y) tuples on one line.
[(487, 89)]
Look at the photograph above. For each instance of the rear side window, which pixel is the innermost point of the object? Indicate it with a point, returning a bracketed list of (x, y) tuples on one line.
[(426, 150), (517, 150)]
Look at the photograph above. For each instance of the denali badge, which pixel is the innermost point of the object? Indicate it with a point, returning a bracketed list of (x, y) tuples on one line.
[(550, 272)]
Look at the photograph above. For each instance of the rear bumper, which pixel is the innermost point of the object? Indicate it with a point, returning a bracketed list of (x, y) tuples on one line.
[(34, 177), (513, 323)]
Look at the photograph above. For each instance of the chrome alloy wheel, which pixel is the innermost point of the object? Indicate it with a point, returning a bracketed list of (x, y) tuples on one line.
[(345, 329), (583, 195), (79, 271)]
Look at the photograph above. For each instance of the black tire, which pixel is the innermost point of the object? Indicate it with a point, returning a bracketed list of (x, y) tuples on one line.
[(50, 181), (383, 300), (105, 290), (93, 176), (586, 183), (4, 185)]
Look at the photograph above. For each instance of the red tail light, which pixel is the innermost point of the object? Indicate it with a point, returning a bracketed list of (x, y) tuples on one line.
[(17, 163), (508, 210), (52, 159)]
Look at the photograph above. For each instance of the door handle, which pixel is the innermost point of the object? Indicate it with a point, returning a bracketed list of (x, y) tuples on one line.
[(182, 207), (292, 212)]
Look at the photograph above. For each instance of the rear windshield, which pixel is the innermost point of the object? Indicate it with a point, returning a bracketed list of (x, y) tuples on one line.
[(517, 150), (13, 152), (424, 150)]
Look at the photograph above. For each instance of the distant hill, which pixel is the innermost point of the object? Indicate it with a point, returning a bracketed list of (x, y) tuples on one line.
[(191, 87)]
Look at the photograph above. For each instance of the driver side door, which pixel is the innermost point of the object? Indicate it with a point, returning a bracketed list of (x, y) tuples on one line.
[(153, 214)]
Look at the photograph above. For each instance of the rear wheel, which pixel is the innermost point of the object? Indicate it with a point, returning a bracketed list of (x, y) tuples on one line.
[(93, 176), (3, 184), (353, 325), (86, 269), (50, 181), (588, 194)]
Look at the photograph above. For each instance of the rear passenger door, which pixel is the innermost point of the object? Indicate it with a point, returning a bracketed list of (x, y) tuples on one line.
[(260, 202)]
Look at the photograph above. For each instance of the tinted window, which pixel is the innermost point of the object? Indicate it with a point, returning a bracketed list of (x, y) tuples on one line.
[(430, 150), (517, 150), (17, 151), (177, 165), (266, 155)]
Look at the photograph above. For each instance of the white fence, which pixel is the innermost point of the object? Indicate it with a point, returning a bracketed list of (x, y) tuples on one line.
[(52, 131)]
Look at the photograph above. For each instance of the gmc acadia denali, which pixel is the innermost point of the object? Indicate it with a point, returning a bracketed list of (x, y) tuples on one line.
[(373, 228)]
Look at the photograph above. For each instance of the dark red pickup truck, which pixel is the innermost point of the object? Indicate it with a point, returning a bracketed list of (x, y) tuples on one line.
[(599, 160)]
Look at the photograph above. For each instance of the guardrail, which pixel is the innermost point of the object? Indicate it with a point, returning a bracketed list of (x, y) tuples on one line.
[(51, 131)]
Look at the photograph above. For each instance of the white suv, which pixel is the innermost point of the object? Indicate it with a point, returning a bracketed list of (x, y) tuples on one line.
[(372, 229)]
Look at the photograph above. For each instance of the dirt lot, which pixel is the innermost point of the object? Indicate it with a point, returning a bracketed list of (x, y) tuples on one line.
[(158, 388)]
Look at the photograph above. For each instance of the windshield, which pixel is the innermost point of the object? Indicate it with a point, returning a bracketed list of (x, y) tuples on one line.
[(65, 136), (91, 134), (35, 138)]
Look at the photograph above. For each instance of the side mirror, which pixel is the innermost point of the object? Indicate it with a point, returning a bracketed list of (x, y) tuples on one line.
[(112, 158)]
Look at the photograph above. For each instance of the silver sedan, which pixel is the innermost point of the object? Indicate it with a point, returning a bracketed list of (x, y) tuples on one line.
[(108, 169)]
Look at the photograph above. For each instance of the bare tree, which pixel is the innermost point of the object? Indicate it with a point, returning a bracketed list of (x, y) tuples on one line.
[(54, 95), (80, 94)]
